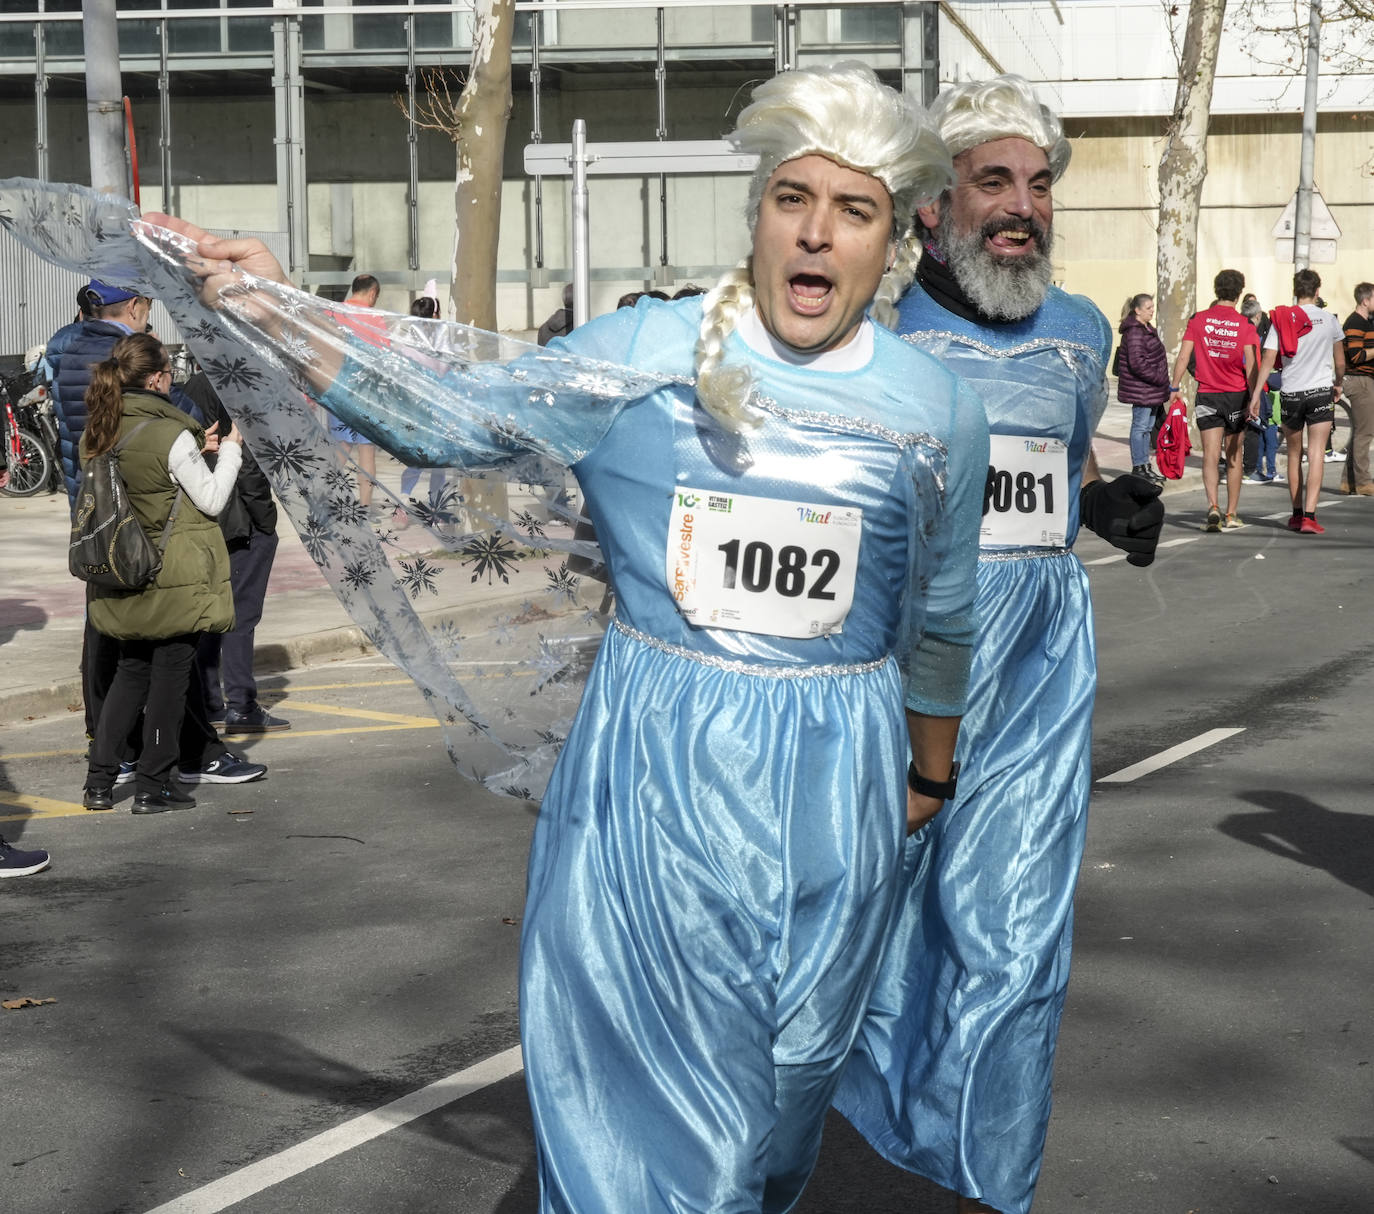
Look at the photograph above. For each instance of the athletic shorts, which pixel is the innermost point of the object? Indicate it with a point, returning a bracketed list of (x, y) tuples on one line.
[(1215, 409), (1307, 408)]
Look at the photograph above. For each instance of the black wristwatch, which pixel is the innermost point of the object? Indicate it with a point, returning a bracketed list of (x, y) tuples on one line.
[(933, 788)]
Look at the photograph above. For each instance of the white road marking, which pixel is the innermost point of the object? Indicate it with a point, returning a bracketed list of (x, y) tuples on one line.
[(225, 1192), (1172, 755), (1121, 556)]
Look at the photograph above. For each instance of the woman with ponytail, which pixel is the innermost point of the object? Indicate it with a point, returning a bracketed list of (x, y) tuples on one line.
[(170, 490)]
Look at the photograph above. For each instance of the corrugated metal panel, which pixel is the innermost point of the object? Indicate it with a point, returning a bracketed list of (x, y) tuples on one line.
[(41, 298)]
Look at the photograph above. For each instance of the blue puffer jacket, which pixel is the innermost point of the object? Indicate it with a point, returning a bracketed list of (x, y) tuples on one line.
[(82, 346)]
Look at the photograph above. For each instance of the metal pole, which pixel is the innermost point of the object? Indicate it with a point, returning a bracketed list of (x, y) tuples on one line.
[(40, 101), (537, 136), (661, 76), (282, 125), (164, 134), (930, 52), (1302, 227), (104, 100), (582, 294), (412, 148)]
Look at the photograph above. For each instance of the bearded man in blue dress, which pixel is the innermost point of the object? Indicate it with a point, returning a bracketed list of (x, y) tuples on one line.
[(951, 1074)]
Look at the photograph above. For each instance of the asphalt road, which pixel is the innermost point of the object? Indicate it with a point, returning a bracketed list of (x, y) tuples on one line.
[(235, 981)]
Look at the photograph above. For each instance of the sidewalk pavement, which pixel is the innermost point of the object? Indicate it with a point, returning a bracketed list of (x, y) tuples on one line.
[(42, 607)]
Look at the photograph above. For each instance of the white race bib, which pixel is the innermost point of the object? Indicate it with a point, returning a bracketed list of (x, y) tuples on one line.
[(1026, 498), (760, 564)]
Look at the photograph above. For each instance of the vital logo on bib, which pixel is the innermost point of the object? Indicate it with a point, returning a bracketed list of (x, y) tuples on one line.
[(760, 564), (1026, 497)]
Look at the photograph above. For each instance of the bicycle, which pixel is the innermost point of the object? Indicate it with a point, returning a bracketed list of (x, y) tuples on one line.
[(30, 437)]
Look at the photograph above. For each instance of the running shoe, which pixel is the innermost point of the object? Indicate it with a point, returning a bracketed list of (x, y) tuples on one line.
[(17, 863), (1213, 522), (1310, 526)]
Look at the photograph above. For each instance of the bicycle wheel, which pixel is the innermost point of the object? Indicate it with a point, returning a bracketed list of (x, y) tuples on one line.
[(30, 468)]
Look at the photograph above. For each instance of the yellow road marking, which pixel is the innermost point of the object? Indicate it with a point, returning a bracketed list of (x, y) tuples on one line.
[(285, 691), (36, 807), (365, 714)]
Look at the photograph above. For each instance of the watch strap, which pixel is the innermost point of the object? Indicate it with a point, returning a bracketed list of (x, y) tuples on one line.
[(941, 789)]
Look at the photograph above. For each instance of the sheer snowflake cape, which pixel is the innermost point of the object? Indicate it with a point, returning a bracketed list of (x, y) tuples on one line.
[(478, 578)]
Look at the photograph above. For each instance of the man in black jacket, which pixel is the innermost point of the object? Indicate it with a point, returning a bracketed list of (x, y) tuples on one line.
[(249, 523)]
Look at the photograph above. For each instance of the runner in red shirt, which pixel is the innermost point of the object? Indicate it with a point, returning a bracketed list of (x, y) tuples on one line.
[(1227, 348)]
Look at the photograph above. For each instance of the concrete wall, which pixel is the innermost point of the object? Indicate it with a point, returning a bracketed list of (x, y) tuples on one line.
[(1107, 206)]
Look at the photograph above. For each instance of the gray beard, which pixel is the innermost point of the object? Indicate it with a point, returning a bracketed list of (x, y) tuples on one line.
[(1002, 290)]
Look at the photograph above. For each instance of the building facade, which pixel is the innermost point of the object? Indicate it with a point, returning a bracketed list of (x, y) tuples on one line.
[(292, 118)]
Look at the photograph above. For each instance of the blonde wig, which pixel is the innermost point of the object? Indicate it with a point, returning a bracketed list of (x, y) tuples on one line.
[(1004, 107), (843, 112), (966, 115)]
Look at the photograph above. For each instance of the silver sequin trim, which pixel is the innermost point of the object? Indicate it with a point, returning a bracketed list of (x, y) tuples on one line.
[(1021, 554), (837, 421), (751, 668), (1000, 351)]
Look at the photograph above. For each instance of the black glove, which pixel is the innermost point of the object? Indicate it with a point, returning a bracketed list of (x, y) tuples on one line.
[(1127, 513)]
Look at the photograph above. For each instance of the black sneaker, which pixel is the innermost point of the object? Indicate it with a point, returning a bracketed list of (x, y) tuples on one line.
[(160, 802), (16, 863), (227, 769), (98, 798), (256, 720)]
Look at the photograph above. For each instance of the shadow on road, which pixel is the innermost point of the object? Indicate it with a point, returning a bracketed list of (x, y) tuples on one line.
[(1298, 828)]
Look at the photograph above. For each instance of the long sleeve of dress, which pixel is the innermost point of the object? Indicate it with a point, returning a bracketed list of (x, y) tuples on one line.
[(455, 413), (938, 669)]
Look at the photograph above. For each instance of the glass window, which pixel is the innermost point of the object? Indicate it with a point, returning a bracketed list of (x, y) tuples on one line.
[(63, 37), (247, 34), (872, 25), (196, 35), (386, 31)]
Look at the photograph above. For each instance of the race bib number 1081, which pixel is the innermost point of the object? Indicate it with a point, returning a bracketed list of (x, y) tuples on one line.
[(1026, 496), (760, 564)]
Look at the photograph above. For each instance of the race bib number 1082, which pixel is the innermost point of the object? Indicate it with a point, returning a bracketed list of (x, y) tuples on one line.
[(1026, 496), (760, 564)]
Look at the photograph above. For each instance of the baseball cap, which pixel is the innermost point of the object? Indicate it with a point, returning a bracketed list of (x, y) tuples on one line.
[(105, 294)]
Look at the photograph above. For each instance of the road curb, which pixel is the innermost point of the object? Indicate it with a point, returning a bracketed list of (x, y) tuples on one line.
[(269, 657)]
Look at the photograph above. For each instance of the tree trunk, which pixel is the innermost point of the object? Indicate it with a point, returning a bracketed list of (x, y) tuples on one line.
[(1182, 171), (480, 138)]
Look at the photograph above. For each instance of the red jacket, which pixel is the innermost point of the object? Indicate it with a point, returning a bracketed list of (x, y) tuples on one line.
[(1290, 323), (1174, 444)]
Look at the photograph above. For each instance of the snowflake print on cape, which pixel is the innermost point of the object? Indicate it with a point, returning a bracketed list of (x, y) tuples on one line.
[(497, 529)]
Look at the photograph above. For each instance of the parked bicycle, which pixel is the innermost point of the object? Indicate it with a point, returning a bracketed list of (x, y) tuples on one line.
[(30, 436)]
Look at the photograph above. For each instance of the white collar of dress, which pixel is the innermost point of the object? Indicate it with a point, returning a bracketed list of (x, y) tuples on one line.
[(854, 355)]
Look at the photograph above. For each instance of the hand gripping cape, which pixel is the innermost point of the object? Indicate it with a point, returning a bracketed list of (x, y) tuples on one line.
[(483, 590)]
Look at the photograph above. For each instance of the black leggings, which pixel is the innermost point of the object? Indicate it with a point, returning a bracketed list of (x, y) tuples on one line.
[(151, 676)]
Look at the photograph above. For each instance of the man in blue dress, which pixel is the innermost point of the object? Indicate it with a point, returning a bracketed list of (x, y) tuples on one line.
[(951, 1076), (788, 508)]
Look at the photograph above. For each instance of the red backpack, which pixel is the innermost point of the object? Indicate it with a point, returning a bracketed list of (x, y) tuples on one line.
[(1174, 444)]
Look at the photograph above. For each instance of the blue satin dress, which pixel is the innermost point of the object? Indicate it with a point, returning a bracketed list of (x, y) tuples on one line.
[(720, 844), (951, 1073)]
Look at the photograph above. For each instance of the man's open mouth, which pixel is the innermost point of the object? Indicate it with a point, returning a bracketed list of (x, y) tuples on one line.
[(810, 292), (1011, 237)]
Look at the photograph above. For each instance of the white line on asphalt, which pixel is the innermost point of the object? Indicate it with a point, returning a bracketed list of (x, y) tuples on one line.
[(225, 1192), (1172, 755), (1121, 556)]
